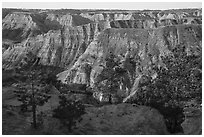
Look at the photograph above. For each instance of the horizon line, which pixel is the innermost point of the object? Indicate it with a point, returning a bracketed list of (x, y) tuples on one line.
[(104, 5), (97, 8)]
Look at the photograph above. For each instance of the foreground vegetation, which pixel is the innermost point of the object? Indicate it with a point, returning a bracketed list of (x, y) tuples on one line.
[(175, 88)]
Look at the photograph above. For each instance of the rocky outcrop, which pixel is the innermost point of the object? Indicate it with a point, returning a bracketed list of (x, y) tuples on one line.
[(192, 124), (122, 119)]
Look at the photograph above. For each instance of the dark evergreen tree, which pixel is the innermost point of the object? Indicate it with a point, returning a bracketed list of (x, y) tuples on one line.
[(112, 76), (33, 91), (69, 111), (32, 94)]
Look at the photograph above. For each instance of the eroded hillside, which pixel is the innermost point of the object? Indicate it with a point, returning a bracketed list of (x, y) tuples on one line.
[(80, 41)]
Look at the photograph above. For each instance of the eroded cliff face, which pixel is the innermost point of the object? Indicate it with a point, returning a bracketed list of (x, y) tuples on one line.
[(68, 19), (18, 26), (81, 42), (153, 23), (56, 47), (145, 45), (145, 15)]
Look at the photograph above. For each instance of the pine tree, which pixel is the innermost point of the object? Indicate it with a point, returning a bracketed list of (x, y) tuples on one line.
[(32, 94), (33, 91), (113, 77), (69, 111)]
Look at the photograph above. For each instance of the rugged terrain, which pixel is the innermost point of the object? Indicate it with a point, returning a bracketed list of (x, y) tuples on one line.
[(80, 41), (71, 40), (59, 39)]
